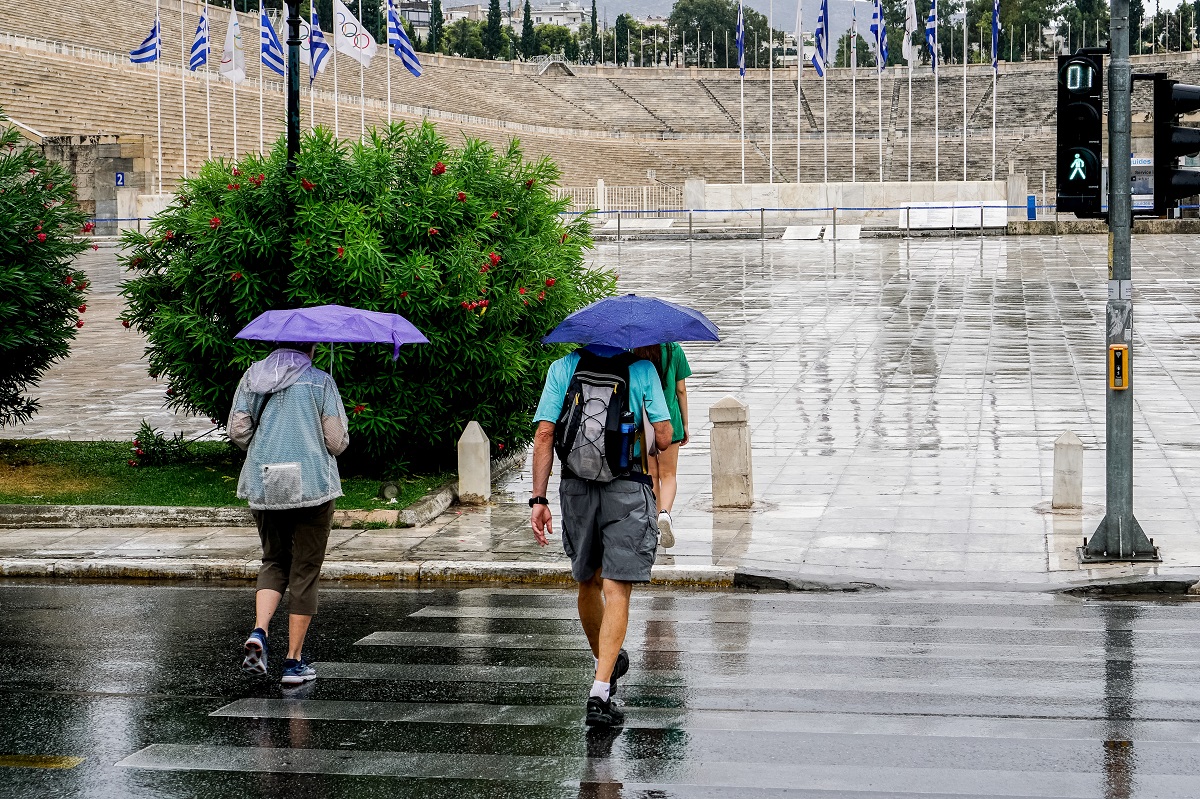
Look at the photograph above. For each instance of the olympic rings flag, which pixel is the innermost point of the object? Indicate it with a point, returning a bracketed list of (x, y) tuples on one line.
[(351, 37)]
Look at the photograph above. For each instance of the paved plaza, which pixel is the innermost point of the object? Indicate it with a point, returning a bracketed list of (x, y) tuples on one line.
[(904, 398)]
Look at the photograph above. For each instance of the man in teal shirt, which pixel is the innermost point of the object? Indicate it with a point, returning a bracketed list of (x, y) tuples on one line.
[(609, 528)]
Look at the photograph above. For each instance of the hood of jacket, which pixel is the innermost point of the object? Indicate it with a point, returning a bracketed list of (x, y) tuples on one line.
[(277, 371)]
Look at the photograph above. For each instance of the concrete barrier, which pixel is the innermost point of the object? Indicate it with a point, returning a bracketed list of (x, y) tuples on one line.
[(729, 453), (474, 466), (1068, 471)]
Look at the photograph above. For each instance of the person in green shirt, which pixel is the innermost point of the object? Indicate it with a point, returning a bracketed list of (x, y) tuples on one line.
[(673, 368)]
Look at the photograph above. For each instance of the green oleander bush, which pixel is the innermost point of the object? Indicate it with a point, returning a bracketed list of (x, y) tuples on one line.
[(42, 297), (467, 244)]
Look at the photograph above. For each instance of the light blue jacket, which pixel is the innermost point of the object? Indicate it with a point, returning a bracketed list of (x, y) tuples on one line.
[(289, 417)]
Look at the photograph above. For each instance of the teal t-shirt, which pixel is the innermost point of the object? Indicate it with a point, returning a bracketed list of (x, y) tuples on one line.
[(645, 391)]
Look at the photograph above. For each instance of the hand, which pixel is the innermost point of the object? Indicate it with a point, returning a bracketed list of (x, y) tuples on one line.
[(686, 438), (542, 522)]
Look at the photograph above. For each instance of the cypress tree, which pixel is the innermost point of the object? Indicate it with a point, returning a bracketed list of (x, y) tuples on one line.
[(492, 40), (595, 35), (436, 24), (529, 45)]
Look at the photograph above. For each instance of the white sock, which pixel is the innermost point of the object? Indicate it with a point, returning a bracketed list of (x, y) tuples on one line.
[(597, 661), (599, 689)]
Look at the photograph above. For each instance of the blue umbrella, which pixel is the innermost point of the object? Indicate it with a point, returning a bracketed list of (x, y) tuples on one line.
[(328, 324), (632, 321)]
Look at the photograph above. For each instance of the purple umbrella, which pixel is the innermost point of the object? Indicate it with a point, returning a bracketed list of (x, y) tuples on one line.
[(328, 324)]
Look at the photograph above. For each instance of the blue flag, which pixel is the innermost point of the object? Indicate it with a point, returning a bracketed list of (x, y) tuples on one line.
[(740, 39), (821, 38), (272, 54), (931, 23), (879, 33), (399, 42), (148, 50), (995, 35), (318, 50), (199, 55)]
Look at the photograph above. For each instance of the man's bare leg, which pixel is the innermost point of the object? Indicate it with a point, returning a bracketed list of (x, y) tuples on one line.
[(613, 627), (591, 610)]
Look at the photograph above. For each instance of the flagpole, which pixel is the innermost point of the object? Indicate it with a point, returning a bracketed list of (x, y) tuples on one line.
[(825, 112), (879, 92), (158, 91), (183, 64), (937, 162), (312, 60), (799, 75), (910, 121), (389, 63), (742, 124), (994, 70), (965, 59), (337, 128), (362, 102), (260, 78), (854, 96), (770, 90), (208, 77)]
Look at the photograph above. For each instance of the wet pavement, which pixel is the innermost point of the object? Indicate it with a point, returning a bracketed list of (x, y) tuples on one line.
[(111, 691), (904, 399)]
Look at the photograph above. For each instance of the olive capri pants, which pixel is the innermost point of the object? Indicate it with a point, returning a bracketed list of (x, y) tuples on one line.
[(293, 544)]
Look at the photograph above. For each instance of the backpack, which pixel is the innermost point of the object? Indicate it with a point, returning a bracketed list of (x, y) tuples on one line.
[(595, 432)]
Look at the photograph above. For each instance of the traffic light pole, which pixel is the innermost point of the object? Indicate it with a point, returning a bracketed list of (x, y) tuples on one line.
[(1119, 536)]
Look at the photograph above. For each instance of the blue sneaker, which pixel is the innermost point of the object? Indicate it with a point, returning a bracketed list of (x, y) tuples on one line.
[(297, 672), (254, 653)]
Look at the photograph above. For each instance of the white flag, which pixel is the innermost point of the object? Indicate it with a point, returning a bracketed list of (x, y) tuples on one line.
[(910, 27), (233, 62), (350, 37)]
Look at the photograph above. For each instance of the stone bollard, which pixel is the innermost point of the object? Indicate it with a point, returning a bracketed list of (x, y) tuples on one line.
[(474, 466), (729, 452), (1068, 471)]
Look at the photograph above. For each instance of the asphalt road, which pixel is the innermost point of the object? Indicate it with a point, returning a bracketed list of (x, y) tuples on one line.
[(133, 691)]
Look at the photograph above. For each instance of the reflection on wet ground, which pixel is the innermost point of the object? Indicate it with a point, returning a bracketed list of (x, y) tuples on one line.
[(479, 692)]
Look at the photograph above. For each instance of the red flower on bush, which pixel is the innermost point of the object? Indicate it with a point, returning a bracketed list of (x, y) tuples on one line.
[(125, 323), (462, 198), (234, 186), (133, 464), (41, 237), (79, 323), (359, 409), (95, 246), (83, 308), (494, 258), (541, 295), (69, 280), (495, 214), (169, 235), (237, 172), (529, 183), (403, 294), (433, 231), (37, 227), (483, 270), (550, 281), (88, 227), (341, 251), (306, 184), (82, 286), (438, 169), (563, 239), (521, 290), (215, 222), (236, 276), (465, 304)]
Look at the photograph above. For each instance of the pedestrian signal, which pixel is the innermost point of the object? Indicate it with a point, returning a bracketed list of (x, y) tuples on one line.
[(1172, 141), (1080, 133)]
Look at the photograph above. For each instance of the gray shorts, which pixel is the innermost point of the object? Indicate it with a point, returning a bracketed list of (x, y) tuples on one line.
[(609, 526)]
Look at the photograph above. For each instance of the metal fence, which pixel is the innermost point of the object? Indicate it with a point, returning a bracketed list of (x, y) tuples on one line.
[(657, 199)]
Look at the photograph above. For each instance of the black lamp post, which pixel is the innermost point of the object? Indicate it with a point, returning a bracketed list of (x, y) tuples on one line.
[(293, 85)]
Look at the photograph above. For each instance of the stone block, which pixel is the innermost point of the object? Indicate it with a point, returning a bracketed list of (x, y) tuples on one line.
[(730, 455), (108, 151), (1068, 471), (474, 466)]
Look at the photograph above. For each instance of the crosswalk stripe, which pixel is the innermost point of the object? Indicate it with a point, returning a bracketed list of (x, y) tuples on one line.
[(631, 773), (773, 617), (1078, 686), (747, 645)]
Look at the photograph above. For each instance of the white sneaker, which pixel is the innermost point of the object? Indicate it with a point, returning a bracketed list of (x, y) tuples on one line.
[(666, 536)]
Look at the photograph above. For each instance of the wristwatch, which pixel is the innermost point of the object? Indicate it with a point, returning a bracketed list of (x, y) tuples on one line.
[(538, 501)]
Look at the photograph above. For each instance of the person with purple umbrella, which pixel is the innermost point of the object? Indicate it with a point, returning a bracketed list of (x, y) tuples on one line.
[(289, 418)]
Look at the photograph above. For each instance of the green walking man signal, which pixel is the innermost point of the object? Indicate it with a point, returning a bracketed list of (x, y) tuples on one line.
[(1077, 168), (1080, 132)]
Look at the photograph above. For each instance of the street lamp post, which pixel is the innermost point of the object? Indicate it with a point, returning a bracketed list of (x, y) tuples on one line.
[(293, 85)]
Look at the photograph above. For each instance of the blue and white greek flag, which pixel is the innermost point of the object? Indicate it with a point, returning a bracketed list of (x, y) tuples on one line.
[(995, 35), (931, 23), (317, 48), (398, 40), (200, 44), (821, 38), (148, 50), (739, 38), (273, 57), (879, 34)]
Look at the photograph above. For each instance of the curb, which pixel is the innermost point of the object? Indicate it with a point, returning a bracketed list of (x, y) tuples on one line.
[(431, 571)]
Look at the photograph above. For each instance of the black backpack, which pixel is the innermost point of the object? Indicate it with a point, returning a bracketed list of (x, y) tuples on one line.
[(595, 433)]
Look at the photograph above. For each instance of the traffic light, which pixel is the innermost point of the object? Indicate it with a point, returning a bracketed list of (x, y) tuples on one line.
[(1080, 133), (1172, 99)]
